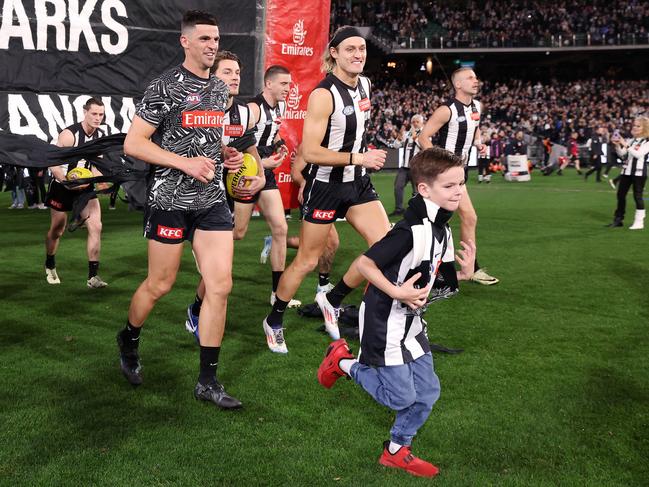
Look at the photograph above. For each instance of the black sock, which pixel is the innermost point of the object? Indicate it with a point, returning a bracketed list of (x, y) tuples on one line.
[(131, 335), (276, 276), (476, 267), (209, 361), (338, 293), (196, 307), (93, 267), (323, 278), (50, 261), (276, 317)]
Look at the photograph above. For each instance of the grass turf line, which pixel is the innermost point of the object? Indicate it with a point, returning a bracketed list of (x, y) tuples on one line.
[(552, 388)]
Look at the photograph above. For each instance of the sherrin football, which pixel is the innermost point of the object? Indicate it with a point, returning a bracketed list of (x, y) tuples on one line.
[(236, 179)]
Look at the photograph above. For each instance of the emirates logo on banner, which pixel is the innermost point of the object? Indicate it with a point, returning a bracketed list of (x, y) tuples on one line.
[(293, 104), (299, 34), (297, 48)]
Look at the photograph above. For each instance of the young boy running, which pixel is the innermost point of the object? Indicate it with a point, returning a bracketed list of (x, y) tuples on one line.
[(408, 269)]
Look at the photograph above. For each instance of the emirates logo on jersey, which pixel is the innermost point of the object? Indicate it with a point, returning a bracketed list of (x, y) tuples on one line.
[(202, 119), (233, 130), (364, 104)]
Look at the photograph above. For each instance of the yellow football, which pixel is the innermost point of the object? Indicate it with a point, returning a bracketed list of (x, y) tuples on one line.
[(236, 179), (79, 173)]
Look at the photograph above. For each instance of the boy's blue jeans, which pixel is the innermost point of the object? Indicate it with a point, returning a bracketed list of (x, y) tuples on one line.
[(410, 390)]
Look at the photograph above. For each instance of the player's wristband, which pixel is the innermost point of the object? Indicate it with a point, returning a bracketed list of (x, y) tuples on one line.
[(351, 159)]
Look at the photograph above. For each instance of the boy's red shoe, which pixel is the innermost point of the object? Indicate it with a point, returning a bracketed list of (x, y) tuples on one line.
[(329, 371), (405, 460)]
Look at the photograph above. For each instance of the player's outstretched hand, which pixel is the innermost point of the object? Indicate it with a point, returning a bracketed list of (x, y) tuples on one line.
[(200, 168), (409, 295), (374, 159), (232, 158), (466, 258)]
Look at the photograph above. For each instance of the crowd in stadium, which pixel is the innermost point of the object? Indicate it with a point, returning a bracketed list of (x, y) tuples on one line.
[(490, 23), (552, 109)]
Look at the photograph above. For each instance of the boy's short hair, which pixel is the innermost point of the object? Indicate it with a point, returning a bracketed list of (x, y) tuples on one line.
[(430, 163), (192, 18), (223, 56)]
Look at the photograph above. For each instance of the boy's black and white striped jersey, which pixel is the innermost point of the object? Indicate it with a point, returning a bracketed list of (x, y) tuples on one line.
[(80, 137), (346, 127), (270, 119), (391, 333), (458, 133), (637, 157)]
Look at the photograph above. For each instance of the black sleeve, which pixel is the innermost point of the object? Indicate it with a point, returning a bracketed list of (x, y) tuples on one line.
[(394, 246), (265, 151)]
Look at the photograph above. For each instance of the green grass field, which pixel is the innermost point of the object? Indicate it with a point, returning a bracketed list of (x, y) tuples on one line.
[(552, 389)]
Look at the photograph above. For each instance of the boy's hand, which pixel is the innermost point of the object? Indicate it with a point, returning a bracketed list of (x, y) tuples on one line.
[(409, 295), (466, 258)]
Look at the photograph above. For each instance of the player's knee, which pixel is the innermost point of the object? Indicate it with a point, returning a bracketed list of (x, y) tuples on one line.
[(94, 226), (333, 242), (219, 290), (305, 263), (280, 229), (239, 232), (160, 287)]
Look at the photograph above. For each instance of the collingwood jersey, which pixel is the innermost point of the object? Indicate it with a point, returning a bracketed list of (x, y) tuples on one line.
[(346, 127), (269, 120), (188, 112), (80, 137), (235, 122), (458, 133), (637, 158), (391, 333)]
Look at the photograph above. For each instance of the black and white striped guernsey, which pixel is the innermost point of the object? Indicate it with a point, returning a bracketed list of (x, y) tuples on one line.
[(637, 157), (80, 137), (269, 120), (346, 128), (235, 122), (458, 133)]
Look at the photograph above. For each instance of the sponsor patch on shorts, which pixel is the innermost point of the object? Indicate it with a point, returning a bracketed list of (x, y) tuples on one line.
[(170, 233), (324, 215)]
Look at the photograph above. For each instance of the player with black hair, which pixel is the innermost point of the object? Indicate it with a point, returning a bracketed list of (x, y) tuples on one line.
[(184, 108)]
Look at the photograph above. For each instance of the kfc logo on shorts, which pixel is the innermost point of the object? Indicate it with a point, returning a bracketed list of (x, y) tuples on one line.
[(170, 233), (325, 215), (56, 204), (364, 104), (202, 119), (299, 34), (233, 130)]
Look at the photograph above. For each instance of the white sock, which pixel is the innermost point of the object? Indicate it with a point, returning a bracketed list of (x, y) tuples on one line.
[(394, 447), (346, 364)]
